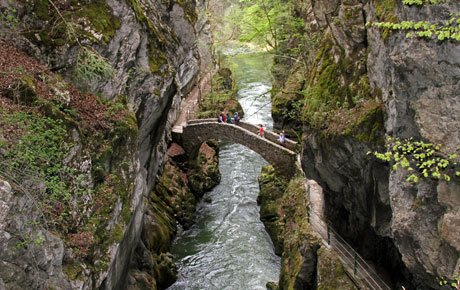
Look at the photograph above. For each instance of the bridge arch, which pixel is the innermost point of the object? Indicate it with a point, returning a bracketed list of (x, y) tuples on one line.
[(199, 131)]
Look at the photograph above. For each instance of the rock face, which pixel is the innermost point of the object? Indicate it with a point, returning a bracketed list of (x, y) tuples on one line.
[(407, 228), (156, 52), (171, 202), (305, 263)]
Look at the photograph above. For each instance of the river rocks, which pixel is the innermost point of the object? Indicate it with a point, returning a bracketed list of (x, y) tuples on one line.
[(204, 173)]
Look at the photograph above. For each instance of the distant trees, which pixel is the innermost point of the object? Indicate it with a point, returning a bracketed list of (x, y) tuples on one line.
[(266, 23)]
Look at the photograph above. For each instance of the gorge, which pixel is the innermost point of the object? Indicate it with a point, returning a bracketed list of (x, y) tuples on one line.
[(92, 188)]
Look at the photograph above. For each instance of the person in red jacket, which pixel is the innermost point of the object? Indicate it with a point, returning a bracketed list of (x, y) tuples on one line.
[(261, 131)]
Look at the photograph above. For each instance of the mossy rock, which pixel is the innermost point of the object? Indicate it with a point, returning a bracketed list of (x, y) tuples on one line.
[(165, 270), (96, 15), (272, 286), (369, 128), (23, 90), (331, 274)]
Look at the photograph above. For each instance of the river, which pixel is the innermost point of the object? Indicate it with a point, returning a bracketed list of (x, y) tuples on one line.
[(228, 247)]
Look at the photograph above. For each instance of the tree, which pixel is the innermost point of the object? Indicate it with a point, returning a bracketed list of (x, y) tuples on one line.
[(260, 21)]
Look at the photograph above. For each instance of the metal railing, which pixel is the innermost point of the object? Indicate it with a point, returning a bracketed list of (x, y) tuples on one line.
[(360, 269)]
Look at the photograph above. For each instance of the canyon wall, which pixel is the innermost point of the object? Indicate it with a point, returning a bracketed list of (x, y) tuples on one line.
[(372, 84), (157, 51)]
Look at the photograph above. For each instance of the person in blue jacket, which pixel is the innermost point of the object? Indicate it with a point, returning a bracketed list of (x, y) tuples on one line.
[(237, 118)]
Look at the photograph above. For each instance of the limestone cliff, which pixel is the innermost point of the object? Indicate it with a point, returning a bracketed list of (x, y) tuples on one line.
[(361, 85), (145, 55)]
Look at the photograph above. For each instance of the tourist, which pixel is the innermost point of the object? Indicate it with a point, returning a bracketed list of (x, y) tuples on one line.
[(261, 131), (220, 119), (237, 118), (229, 118), (282, 139)]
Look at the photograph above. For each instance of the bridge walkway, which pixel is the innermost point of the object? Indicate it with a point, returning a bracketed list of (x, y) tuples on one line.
[(195, 132), (269, 135)]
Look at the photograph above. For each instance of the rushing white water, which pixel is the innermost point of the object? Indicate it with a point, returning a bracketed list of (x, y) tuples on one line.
[(228, 247)]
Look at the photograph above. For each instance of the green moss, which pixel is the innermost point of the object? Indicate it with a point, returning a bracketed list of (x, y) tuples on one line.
[(386, 10), (331, 273), (97, 15), (272, 286), (160, 236), (160, 34), (100, 17), (189, 11), (369, 128), (99, 173), (157, 58), (41, 8), (126, 213), (138, 11), (73, 271), (116, 234), (418, 202)]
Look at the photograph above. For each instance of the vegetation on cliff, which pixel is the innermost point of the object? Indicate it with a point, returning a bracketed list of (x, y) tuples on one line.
[(221, 97), (76, 149)]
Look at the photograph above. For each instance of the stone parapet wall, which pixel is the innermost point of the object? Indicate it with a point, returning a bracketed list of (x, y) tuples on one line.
[(197, 132), (270, 135)]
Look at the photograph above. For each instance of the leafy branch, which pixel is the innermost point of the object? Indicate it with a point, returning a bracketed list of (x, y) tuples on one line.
[(448, 29), (422, 159)]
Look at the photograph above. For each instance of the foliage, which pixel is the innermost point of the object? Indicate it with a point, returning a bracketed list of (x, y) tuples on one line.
[(91, 65), (443, 30), (8, 17), (221, 98), (261, 21), (421, 159), (38, 152), (455, 284), (266, 23)]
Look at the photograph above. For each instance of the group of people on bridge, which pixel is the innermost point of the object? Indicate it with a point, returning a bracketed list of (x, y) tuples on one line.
[(227, 118)]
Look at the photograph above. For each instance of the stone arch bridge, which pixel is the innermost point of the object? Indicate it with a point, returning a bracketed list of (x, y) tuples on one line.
[(195, 132)]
